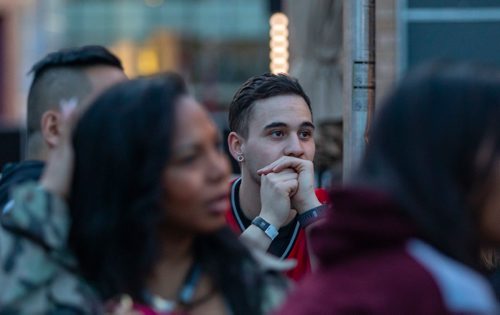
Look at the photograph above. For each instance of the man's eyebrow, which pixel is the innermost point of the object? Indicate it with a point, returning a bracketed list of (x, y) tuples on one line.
[(308, 124), (276, 125), (305, 124)]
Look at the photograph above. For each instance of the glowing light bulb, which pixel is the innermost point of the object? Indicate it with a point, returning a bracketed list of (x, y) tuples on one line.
[(278, 43)]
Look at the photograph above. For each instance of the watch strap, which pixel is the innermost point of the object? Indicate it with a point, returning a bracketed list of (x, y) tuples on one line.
[(270, 230), (312, 215)]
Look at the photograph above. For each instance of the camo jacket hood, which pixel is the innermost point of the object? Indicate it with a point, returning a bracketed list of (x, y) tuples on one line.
[(37, 273)]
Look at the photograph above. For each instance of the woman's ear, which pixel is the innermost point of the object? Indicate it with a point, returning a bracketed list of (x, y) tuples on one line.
[(51, 128), (236, 145)]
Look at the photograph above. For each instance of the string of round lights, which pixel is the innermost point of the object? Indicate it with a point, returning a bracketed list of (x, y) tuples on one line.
[(278, 43)]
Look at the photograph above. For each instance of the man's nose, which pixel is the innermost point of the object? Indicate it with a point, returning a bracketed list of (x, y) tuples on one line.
[(294, 147)]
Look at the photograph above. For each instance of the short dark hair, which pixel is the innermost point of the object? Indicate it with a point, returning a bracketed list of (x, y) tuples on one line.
[(424, 148), (123, 143), (59, 75), (257, 88)]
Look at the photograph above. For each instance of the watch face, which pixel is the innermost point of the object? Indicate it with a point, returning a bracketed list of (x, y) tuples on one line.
[(271, 232)]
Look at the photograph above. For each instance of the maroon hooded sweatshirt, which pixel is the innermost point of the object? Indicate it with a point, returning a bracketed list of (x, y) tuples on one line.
[(371, 262)]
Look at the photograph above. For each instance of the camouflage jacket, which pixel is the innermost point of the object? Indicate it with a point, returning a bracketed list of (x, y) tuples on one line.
[(37, 274)]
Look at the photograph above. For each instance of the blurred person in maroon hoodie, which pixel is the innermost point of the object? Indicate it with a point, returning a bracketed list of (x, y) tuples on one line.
[(404, 236)]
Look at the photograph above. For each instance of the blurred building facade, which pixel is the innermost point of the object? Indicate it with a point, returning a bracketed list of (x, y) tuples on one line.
[(410, 32), (217, 44)]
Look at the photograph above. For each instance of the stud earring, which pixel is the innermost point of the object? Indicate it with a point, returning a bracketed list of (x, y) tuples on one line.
[(240, 158)]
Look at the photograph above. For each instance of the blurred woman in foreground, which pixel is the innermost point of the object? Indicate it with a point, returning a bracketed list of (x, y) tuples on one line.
[(405, 236), (147, 205)]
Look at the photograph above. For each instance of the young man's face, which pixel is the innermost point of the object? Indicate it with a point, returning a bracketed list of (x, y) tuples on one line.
[(278, 126)]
